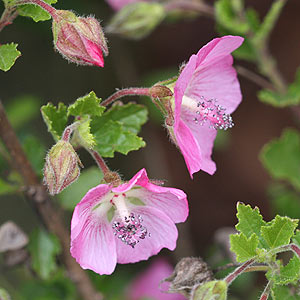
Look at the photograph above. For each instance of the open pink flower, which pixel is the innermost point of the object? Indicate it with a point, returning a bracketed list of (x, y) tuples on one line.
[(148, 284), (206, 93), (125, 224)]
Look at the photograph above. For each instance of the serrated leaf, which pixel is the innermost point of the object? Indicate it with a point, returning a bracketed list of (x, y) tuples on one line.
[(289, 273), (291, 97), (131, 116), (4, 294), (243, 247), (74, 193), (86, 105), (279, 232), (112, 137), (283, 293), (35, 12), (84, 136), (281, 157), (43, 248), (250, 221), (8, 56), (55, 118)]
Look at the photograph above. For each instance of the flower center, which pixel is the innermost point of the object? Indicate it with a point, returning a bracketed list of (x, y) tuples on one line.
[(128, 227), (208, 111)]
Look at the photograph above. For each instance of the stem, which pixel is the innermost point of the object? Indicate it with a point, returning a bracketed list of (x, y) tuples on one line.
[(126, 92), (8, 15), (38, 197), (45, 6), (200, 8), (68, 131), (266, 293), (238, 271)]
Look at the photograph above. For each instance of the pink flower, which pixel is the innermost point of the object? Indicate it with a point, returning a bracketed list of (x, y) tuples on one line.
[(118, 4), (206, 93), (125, 224), (147, 284)]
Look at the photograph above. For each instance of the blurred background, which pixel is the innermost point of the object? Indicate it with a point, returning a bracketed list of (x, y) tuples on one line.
[(41, 75)]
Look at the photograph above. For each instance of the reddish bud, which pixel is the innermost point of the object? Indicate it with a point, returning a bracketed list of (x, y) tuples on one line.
[(61, 167), (80, 40)]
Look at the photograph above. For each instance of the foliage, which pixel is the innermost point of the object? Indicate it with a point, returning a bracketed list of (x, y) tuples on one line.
[(8, 56)]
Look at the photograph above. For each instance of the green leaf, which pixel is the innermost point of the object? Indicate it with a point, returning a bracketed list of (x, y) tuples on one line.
[(131, 116), (22, 109), (281, 157), (284, 201), (289, 273), (8, 56), (279, 231), (296, 238), (86, 105), (4, 294), (250, 221), (74, 193), (243, 247), (43, 248), (292, 96), (35, 12), (212, 290), (55, 118), (7, 188), (112, 137), (83, 135), (283, 293)]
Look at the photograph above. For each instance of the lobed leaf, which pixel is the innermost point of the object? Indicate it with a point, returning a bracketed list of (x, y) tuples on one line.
[(287, 147), (243, 247), (55, 118), (84, 135), (8, 56), (279, 231), (43, 248), (283, 293), (86, 105)]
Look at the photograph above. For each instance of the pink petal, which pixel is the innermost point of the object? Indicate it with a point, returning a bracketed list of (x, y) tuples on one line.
[(147, 284), (205, 137), (163, 235), (118, 4), (94, 51), (94, 247), (189, 148)]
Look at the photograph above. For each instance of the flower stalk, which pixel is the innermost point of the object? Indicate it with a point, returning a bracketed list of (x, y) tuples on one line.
[(266, 293)]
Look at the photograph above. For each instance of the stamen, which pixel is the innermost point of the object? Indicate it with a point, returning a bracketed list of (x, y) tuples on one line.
[(210, 111), (130, 230)]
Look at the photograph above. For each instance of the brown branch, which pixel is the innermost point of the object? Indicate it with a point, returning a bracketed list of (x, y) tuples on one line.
[(38, 197)]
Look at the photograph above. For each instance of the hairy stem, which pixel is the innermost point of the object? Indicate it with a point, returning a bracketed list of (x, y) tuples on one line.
[(8, 16), (238, 271), (266, 293), (39, 199), (126, 92)]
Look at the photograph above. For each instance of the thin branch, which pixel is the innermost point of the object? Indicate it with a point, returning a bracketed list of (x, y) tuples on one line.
[(8, 16), (38, 197)]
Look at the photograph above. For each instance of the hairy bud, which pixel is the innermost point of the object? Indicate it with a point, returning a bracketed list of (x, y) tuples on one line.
[(80, 40), (61, 167), (188, 273), (136, 20)]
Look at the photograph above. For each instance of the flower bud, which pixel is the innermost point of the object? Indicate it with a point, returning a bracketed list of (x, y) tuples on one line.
[(136, 20), (61, 167), (80, 40)]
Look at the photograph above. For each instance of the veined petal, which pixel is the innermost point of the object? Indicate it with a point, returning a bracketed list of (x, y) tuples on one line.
[(163, 234), (94, 247), (189, 148), (94, 51)]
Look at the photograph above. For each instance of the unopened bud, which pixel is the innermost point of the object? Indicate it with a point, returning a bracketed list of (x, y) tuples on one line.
[(216, 290), (160, 91), (80, 40), (136, 20), (61, 167)]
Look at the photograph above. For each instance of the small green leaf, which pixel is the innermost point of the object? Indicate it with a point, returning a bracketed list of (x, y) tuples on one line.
[(287, 147), (112, 137), (74, 193), (289, 273), (279, 231), (250, 221), (8, 56), (83, 134), (55, 118), (212, 290), (243, 247), (35, 12), (43, 248), (7, 188), (4, 295), (296, 238), (283, 293), (86, 105)]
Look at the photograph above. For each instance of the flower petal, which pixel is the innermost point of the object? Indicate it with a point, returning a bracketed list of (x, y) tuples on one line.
[(94, 247), (163, 235)]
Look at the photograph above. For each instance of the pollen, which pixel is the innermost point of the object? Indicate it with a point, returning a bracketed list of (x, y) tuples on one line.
[(130, 230)]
